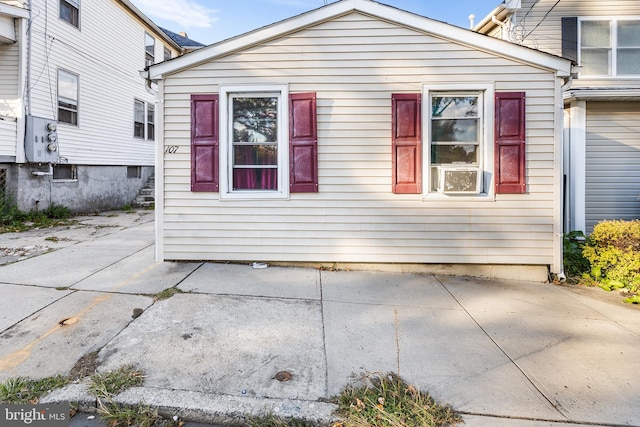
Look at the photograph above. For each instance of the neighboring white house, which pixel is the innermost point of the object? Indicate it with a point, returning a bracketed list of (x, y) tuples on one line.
[(602, 104), (77, 119), (361, 133)]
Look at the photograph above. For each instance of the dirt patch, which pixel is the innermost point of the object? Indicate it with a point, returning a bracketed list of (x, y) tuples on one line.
[(84, 367)]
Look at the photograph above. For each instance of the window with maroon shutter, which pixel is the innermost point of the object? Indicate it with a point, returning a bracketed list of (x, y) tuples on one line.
[(303, 143), (406, 143), (204, 142), (510, 143)]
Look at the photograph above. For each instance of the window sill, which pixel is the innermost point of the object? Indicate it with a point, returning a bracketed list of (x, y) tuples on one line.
[(481, 197), (253, 195)]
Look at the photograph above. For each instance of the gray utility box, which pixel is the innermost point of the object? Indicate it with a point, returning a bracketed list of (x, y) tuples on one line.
[(41, 140)]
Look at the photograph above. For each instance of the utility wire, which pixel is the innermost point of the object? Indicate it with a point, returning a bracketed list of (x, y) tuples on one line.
[(541, 21)]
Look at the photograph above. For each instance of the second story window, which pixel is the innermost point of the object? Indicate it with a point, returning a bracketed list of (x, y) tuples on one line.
[(167, 54), (70, 12), (67, 97), (149, 49), (610, 47)]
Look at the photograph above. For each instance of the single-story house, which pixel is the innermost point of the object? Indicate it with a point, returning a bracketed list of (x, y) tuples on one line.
[(359, 133)]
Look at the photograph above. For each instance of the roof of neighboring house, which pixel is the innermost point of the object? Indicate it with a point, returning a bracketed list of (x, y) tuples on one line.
[(184, 41), (371, 8)]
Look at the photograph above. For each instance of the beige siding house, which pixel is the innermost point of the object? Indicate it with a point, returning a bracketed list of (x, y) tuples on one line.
[(361, 133), (602, 104)]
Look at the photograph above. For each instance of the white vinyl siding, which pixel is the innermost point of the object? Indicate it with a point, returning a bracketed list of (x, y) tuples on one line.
[(613, 162), (354, 63), (9, 63), (8, 137), (109, 80)]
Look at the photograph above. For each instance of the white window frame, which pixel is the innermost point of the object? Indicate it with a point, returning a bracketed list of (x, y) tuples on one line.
[(486, 92), (70, 101), (145, 122), (613, 27), (75, 4), (149, 55), (226, 153)]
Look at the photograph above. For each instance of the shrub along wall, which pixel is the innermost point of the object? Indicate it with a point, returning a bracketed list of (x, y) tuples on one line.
[(613, 251)]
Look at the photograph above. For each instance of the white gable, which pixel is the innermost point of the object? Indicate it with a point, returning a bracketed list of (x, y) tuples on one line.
[(376, 10)]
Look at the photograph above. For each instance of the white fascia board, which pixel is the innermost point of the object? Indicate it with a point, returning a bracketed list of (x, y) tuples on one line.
[(13, 11), (379, 11), (486, 23), (602, 94)]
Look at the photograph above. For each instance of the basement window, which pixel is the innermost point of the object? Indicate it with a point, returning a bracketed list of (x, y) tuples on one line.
[(65, 172)]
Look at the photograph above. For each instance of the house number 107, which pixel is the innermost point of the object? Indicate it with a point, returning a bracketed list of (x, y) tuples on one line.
[(171, 149)]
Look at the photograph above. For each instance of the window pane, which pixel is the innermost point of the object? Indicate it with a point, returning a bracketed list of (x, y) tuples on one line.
[(460, 130), (139, 111), (149, 49), (596, 62), (454, 106), (255, 119), (67, 86), (252, 155), (444, 154), (67, 116), (150, 122), (629, 34), (69, 11), (138, 119), (596, 34), (67, 97), (255, 179), (629, 61)]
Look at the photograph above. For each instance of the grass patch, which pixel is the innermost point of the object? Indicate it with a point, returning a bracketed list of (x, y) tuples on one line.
[(167, 293), (12, 219), (273, 421), (106, 385), (22, 390), (116, 415), (386, 400)]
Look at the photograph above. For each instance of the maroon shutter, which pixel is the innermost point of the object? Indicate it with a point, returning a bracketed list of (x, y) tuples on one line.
[(510, 143), (303, 143), (204, 142), (406, 143)]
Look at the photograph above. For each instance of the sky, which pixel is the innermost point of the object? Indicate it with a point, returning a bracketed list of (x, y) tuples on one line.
[(210, 21)]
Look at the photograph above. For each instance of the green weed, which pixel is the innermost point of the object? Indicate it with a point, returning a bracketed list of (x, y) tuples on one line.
[(22, 390)]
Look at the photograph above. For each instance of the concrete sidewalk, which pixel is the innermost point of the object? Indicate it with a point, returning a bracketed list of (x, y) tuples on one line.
[(502, 353)]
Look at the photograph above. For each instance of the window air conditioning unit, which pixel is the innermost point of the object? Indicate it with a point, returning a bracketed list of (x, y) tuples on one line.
[(459, 180)]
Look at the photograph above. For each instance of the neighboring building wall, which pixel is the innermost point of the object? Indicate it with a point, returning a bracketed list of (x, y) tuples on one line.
[(87, 193), (538, 22), (355, 63), (109, 81), (613, 161), (107, 53), (612, 155)]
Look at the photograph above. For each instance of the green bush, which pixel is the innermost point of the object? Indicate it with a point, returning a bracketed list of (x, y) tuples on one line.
[(613, 251), (55, 211), (575, 264)]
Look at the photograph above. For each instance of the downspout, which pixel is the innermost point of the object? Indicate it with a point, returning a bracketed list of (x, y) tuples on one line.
[(563, 89), (27, 95)]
